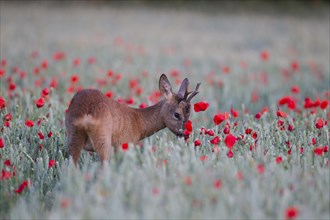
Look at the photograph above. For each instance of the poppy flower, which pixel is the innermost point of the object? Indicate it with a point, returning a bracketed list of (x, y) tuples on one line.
[(45, 92), (294, 65), (2, 73), (21, 188), (230, 141), (40, 102), (5, 175), (74, 78), (261, 168), (291, 212), (324, 104), (7, 163), (210, 132), (200, 106), (248, 131), (319, 123), (124, 146), (217, 184), (108, 94), (2, 144), (295, 89), (197, 143), (215, 140), (278, 159), (234, 113), (281, 114), (143, 105), (41, 136), (44, 64), (188, 180), (7, 117), (51, 163), (219, 118), (230, 154), (226, 130), (188, 126), (50, 134), (29, 123), (264, 55), (318, 151), (57, 56), (203, 158)]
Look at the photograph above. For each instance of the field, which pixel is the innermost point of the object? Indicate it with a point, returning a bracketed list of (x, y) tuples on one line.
[(258, 147)]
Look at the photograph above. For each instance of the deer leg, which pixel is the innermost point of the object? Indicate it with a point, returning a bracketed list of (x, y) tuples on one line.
[(75, 142), (101, 142)]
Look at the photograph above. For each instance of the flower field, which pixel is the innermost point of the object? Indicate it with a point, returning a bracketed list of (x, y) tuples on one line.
[(256, 145)]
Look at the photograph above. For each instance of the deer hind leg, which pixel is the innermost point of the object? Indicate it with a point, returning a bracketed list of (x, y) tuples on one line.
[(101, 141), (75, 143)]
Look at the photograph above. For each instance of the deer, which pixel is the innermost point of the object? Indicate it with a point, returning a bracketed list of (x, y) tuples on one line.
[(95, 123)]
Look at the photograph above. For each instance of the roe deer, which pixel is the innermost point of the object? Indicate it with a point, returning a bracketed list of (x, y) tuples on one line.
[(95, 122)]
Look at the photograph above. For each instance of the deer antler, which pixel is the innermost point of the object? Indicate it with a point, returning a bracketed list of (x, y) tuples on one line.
[(195, 92)]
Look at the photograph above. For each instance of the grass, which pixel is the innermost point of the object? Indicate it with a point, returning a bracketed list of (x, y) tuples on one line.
[(274, 173)]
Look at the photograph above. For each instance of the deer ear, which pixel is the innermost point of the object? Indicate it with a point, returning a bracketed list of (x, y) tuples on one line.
[(165, 86), (183, 88)]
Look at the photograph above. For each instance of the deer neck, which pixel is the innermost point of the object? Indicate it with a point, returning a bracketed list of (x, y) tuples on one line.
[(151, 120)]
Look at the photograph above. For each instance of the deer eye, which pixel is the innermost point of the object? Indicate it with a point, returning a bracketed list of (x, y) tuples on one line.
[(177, 116)]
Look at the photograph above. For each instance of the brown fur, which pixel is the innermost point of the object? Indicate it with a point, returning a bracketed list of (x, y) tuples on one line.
[(95, 123)]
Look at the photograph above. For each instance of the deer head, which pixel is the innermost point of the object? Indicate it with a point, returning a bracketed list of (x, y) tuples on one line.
[(176, 108)]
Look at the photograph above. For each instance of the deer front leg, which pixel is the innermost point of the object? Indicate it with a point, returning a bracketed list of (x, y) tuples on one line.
[(75, 142)]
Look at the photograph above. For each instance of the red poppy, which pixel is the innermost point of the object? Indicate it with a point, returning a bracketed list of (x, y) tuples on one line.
[(44, 64), (234, 113), (230, 154), (41, 136), (188, 180), (51, 163), (281, 114), (7, 163), (201, 106), (325, 149), (226, 69), (109, 94), (294, 65), (248, 131), (219, 118), (53, 83), (188, 126), (226, 130), (230, 141), (264, 55), (203, 158), (2, 73), (40, 102), (29, 123), (217, 184), (2, 144), (5, 175), (215, 140), (319, 123), (324, 104), (74, 78), (295, 89), (261, 168), (91, 60), (210, 132), (290, 127), (124, 146), (50, 134), (278, 159), (319, 151), (57, 56), (76, 62), (197, 143), (291, 212), (143, 105), (45, 92), (313, 141), (21, 188), (7, 117)]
